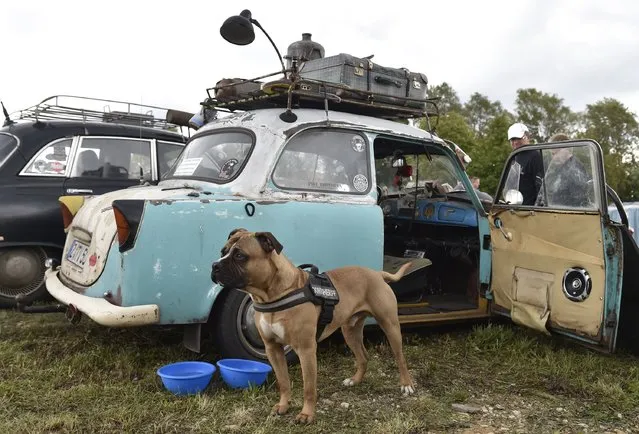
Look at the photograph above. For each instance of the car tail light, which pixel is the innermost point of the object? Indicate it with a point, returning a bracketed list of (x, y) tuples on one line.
[(69, 206), (128, 215)]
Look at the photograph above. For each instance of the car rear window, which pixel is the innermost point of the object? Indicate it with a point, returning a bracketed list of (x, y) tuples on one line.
[(218, 157), (7, 145)]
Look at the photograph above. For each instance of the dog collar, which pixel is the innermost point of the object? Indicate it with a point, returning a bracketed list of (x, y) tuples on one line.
[(318, 290)]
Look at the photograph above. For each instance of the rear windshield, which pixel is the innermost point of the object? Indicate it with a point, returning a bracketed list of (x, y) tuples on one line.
[(218, 157), (7, 145)]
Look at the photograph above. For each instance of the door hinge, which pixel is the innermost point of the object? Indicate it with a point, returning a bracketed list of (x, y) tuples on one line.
[(486, 243), (485, 291)]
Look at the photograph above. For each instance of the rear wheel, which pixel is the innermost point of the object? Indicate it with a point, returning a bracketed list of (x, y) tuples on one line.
[(234, 332), (22, 273)]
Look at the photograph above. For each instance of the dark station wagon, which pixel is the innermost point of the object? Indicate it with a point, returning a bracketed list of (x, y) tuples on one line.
[(66, 146)]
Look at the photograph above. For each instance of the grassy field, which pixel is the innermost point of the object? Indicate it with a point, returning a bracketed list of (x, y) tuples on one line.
[(57, 377)]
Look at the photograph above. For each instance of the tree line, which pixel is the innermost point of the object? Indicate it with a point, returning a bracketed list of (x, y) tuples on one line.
[(479, 127)]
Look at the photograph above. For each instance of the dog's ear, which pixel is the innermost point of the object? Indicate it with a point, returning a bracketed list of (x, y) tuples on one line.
[(234, 231), (269, 242)]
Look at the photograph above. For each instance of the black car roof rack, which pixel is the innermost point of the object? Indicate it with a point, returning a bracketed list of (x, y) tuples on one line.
[(299, 92), (86, 109)]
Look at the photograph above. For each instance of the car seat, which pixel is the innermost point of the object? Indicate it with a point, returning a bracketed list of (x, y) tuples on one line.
[(88, 164)]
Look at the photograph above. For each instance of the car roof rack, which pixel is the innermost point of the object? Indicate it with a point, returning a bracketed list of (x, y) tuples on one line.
[(86, 109), (299, 92)]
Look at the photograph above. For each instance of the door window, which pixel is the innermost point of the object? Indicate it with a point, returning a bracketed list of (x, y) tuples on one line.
[(51, 160), (113, 158), (554, 177), (324, 160), (168, 154)]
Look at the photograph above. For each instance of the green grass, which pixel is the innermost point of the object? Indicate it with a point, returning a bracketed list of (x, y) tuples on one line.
[(57, 377)]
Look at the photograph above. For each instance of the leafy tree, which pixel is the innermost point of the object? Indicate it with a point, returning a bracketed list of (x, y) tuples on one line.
[(453, 126), (479, 110), (544, 114), (448, 99), (615, 128), (491, 152)]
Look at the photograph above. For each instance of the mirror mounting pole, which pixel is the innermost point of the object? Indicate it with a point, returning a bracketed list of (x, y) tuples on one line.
[(279, 56)]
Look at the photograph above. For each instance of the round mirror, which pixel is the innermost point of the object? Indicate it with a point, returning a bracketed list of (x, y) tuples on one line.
[(514, 197)]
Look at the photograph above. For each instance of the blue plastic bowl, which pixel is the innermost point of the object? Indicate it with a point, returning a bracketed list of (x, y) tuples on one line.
[(241, 373), (186, 378)]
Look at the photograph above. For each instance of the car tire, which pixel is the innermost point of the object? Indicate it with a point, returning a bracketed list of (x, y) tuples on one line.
[(22, 274), (233, 329)]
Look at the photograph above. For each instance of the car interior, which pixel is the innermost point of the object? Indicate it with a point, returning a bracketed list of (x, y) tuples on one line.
[(437, 230)]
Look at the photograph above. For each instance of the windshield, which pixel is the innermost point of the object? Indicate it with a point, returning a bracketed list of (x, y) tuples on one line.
[(7, 145), (423, 170), (217, 157)]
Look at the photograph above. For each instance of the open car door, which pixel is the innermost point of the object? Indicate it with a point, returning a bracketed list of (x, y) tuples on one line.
[(557, 257)]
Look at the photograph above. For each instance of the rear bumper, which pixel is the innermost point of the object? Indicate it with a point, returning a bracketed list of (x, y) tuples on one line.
[(100, 310)]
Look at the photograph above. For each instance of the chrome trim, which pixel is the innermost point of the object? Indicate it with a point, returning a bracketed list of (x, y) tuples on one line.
[(154, 159), (35, 157), (73, 156)]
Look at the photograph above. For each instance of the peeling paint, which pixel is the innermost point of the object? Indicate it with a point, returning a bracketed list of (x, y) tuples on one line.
[(157, 268)]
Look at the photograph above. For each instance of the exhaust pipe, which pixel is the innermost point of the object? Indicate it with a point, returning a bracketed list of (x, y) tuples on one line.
[(73, 314)]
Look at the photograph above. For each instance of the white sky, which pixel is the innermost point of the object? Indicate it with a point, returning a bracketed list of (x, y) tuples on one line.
[(167, 53)]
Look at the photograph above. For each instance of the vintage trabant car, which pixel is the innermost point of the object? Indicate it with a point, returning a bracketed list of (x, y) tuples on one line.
[(333, 187), (69, 145), (318, 159)]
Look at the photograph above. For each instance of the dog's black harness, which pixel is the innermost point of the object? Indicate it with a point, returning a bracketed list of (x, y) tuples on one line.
[(319, 290)]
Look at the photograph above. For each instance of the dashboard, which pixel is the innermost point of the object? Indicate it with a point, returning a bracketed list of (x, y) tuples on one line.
[(430, 210)]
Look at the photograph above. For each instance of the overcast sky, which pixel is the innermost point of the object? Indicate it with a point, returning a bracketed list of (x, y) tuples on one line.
[(168, 53)]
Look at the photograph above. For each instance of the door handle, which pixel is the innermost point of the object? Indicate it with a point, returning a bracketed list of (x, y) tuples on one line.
[(500, 226), (79, 190)]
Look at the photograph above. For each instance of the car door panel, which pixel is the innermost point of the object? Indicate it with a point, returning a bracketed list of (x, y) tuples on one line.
[(556, 265), (543, 247)]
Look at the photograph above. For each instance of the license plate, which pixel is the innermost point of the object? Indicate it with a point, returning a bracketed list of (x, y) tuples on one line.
[(78, 253)]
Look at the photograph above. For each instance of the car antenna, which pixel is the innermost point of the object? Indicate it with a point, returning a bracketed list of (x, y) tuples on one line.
[(7, 119)]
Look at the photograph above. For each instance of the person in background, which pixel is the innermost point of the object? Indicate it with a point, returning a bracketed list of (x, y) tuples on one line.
[(475, 181), (567, 183), (526, 172)]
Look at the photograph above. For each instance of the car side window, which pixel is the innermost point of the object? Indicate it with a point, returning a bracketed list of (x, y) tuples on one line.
[(52, 159), (168, 153), (554, 177), (8, 144), (324, 160), (113, 158)]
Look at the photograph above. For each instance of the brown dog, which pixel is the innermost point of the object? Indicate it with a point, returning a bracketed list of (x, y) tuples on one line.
[(253, 262)]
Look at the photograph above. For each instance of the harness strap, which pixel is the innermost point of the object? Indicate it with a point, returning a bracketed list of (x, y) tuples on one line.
[(319, 290)]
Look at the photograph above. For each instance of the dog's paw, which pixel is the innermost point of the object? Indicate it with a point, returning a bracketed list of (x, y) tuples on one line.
[(407, 390), (349, 382), (304, 418), (279, 409)]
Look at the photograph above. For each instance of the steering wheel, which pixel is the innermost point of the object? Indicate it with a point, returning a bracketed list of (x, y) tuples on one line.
[(615, 199)]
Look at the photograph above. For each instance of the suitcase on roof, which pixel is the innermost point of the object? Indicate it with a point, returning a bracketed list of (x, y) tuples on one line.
[(389, 85)]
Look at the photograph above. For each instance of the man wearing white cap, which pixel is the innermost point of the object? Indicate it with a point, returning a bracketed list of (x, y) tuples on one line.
[(527, 171)]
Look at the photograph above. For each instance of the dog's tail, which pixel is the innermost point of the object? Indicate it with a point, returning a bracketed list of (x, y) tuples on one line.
[(388, 277)]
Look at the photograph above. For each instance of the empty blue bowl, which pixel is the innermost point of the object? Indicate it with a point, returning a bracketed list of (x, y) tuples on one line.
[(241, 373), (186, 378)]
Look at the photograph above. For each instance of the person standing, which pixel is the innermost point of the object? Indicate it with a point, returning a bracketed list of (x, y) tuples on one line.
[(526, 172)]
